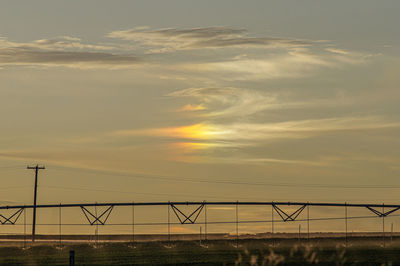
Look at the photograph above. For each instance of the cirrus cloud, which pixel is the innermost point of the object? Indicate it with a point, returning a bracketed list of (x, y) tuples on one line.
[(288, 63), (228, 101), (27, 56), (255, 132), (64, 51), (173, 39)]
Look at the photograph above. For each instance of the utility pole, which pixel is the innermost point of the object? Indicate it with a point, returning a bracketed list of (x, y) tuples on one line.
[(36, 168)]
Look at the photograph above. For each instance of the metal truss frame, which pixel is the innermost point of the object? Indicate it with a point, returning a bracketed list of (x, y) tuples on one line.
[(382, 214), (10, 220), (101, 219), (178, 203), (187, 219), (95, 219), (288, 217)]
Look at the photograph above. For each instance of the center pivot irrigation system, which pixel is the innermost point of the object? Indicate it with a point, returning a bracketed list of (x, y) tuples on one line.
[(95, 218)]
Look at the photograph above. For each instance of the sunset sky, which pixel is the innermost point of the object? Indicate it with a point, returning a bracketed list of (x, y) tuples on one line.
[(200, 100)]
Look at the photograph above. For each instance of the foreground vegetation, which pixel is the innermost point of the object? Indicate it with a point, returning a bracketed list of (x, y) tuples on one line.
[(361, 251)]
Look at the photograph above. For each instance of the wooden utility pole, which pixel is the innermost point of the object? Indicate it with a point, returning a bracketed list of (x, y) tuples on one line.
[(36, 168)]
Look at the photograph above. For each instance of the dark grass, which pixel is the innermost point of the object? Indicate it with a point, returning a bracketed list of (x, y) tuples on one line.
[(360, 251)]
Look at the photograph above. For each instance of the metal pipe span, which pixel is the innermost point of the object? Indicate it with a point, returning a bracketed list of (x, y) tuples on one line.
[(249, 203)]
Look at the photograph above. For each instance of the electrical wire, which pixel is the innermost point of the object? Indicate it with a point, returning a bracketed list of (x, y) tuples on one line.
[(239, 183), (223, 222), (140, 193)]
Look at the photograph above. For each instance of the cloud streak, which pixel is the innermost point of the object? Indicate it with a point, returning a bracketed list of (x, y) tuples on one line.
[(59, 43), (255, 132), (172, 39), (27, 56), (65, 52), (290, 63), (226, 142), (288, 58), (228, 101)]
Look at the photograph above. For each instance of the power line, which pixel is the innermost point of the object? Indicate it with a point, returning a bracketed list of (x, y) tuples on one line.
[(141, 193), (230, 182), (170, 194), (14, 187), (10, 167), (227, 222), (239, 183)]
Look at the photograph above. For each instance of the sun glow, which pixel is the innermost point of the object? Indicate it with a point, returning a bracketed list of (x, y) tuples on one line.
[(192, 107), (200, 131), (197, 132), (195, 146)]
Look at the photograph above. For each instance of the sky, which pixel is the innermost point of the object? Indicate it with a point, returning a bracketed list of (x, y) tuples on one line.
[(200, 100)]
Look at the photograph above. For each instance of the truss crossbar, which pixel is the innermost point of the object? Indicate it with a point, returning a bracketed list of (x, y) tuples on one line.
[(197, 203), (286, 217), (12, 219), (186, 219), (382, 214), (93, 219)]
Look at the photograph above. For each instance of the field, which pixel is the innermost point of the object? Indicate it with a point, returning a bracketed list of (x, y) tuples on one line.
[(323, 251)]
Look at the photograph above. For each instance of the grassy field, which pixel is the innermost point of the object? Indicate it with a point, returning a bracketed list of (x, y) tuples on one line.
[(360, 251)]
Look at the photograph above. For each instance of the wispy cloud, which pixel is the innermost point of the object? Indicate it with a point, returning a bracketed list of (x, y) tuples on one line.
[(26, 56), (196, 132), (337, 51), (192, 107), (304, 128), (281, 161), (173, 39), (225, 101), (224, 143), (65, 51), (59, 43), (287, 57), (255, 132), (289, 63), (65, 43)]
